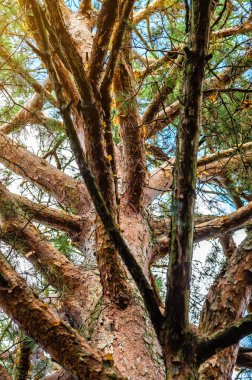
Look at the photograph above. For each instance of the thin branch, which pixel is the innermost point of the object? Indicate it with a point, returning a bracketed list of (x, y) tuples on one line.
[(155, 6), (28, 113), (224, 79), (17, 67)]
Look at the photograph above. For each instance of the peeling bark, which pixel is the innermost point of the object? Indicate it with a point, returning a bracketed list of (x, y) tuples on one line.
[(63, 343), (226, 302)]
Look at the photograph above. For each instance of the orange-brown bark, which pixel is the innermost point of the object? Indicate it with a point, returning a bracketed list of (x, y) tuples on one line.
[(37, 170), (226, 302), (4, 374), (132, 133), (73, 224), (62, 342)]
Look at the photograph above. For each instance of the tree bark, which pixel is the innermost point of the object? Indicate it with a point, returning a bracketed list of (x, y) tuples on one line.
[(63, 343), (227, 301)]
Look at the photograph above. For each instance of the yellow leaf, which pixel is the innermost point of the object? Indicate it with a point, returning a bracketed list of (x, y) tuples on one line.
[(109, 157)]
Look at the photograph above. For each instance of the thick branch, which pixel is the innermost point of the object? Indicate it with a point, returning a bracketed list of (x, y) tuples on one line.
[(225, 304), (105, 24), (50, 216), (211, 228), (226, 223), (64, 188), (230, 335), (233, 31), (89, 105), (156, 5), (62, 342), (179, 271), (112, 230), (131, 133), (23, 236), (208, 167), (113, 274)]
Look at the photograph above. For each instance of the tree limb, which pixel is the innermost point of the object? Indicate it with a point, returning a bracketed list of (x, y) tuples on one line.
[(28, 112), (226, 337), (4, 374), (105, 24), (16, 67), (50, 216), (226, 302), (225, 78), (244, 359), (208, 167), (18, 232), (131, 133), (179, 269), (152, 7), (37, 170), (36, 318)]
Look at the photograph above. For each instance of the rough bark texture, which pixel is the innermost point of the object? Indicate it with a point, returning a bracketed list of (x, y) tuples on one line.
[(180, 360), (111, 301), (63, 343), (228, 298)]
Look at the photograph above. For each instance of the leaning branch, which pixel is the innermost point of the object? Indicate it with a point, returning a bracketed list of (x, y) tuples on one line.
[(116, 45), (221, 81), (28, 113), (18, 232), (70, 349), (156, 5), (53, 217), (211, 228), (223, 224), (208, 167), (17, 67), (224, 338), (37, 170)]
